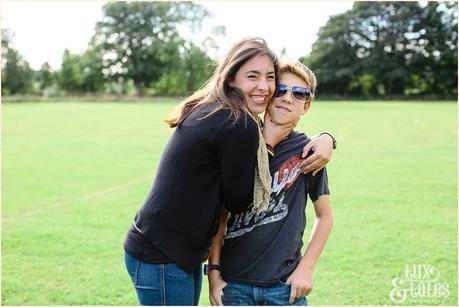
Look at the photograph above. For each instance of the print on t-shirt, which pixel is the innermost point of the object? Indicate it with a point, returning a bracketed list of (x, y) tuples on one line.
[(283, 179)]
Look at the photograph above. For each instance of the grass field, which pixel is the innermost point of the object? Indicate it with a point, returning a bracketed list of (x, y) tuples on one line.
[(73, 175)]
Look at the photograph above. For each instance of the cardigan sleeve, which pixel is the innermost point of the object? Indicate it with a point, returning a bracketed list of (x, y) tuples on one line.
[(237, 145)]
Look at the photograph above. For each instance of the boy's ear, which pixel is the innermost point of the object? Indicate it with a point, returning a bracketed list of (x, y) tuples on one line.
[(306, 107)]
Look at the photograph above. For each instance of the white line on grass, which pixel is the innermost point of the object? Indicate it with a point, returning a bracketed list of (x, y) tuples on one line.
[(75, 199)]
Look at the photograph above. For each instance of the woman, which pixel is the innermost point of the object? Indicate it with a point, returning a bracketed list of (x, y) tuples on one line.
[(214, 158)]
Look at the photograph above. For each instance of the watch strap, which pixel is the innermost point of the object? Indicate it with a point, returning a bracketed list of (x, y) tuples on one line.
[(211, 267)]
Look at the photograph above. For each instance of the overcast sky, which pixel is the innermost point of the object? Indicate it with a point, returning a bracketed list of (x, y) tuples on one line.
[(43, 29)]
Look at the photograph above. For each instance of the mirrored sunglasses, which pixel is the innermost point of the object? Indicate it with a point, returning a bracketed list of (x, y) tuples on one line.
[(299, 92)]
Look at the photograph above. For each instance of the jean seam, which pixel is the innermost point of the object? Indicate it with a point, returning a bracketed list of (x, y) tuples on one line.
[(136, 275), (194, 285), (163, 284)]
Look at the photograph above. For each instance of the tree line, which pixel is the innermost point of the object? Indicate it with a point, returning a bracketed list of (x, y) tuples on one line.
[(387, 49), (375, 49), (136, 49)]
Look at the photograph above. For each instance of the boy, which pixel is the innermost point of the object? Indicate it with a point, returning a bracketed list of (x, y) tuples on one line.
[(260, 262)]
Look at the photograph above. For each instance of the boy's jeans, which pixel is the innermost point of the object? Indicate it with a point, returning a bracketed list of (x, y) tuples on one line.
[(238, 294), (164, 284)]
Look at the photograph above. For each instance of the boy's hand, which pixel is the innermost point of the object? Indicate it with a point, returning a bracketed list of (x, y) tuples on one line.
[(274, 133), (322, 148), (216, 285), (300, 282)]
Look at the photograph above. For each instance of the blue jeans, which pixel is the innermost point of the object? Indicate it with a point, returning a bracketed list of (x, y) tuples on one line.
[(164, 284), (238, 294)]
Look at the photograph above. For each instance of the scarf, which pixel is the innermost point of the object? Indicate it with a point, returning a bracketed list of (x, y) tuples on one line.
[(262, 180)]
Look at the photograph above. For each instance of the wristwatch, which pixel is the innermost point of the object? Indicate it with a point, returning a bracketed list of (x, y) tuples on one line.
[(211, 267), (333, 139)]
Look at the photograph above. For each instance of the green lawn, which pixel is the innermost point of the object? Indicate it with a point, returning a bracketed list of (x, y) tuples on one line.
[(75, 173)]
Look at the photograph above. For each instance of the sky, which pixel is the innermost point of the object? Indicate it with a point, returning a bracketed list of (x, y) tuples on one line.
[(43, 29)]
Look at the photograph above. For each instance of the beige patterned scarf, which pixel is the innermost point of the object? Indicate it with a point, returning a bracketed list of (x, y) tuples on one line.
[(262, 180)]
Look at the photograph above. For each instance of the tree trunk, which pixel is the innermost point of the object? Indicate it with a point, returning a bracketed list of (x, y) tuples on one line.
[(138, 88)]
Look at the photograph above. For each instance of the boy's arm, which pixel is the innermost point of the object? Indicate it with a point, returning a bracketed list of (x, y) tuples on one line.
[(301, 278), (216, 283)]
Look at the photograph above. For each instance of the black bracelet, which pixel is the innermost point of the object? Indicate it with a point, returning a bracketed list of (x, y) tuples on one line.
[(211, 267), (333, 139)]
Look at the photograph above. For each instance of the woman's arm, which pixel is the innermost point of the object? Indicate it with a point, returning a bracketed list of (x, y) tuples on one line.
[(322, 147), (301, 278), (274, 133), (216, 283), (236, 147)]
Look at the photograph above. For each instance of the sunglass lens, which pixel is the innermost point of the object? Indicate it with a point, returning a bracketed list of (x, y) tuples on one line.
[(281, 90), (301, 93)]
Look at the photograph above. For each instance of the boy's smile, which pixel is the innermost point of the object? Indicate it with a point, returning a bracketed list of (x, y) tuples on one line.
[(282, 108)]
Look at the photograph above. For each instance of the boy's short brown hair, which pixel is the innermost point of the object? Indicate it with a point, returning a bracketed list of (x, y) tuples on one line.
[(301, 71)]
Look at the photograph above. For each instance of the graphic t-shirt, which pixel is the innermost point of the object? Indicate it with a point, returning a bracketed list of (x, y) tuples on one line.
[(262, 249)]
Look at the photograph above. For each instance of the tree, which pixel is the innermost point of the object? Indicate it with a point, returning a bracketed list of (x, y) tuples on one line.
[(382, 32), (82, 73), (141, 41), (16, 72), (388, 48), (195, 67), (198, 67), (334, 56), (437, 63), (70, 75), (6, 39), (45, 76), (91, 67)]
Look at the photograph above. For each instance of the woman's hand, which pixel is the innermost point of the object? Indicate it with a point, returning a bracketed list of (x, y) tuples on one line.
[(274, 133), (322, 150), (216, 285)]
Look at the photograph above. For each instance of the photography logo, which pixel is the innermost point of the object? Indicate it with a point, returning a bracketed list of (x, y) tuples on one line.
[(419, 281)]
